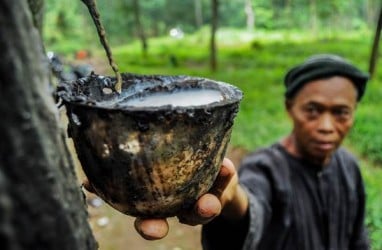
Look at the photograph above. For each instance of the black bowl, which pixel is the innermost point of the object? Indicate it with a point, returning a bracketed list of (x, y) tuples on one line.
[(149, 160)]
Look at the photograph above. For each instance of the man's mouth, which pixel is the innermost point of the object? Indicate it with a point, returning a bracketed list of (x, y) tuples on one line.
[(324, 145)]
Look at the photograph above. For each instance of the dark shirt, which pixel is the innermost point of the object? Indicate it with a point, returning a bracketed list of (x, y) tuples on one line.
[(294, 205)]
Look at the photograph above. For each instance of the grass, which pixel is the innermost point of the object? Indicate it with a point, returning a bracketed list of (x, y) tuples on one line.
[(372, 177), (256, 62)]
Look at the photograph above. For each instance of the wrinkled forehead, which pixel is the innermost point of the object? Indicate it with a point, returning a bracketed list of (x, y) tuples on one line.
[(334, 90)]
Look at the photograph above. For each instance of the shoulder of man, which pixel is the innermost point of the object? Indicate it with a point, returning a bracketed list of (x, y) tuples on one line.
[(265, 173), (348, 162), (264, 156), (269, 160), (347, 155)]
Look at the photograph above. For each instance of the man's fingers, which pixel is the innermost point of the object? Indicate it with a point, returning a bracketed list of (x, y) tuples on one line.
[(227, 171), (207, 207), (151, 229), (210, 205)]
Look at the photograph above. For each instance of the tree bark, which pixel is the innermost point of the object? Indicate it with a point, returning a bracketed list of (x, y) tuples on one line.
[(198, 13), (41, 205), (139, 26), (250, 15), (313, 16), (214, 26), (37, 9), (374, 51), (371, 10)]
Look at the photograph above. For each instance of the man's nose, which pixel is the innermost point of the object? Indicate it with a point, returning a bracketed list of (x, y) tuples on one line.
[(326, 123)]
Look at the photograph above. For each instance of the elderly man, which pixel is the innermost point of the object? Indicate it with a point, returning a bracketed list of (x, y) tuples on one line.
[(303, 192)]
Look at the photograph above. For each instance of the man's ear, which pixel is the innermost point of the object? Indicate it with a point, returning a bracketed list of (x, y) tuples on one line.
[(288, 103)]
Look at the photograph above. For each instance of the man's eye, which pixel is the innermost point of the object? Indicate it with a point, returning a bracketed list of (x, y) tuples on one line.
[(311, 109), (342, 113)]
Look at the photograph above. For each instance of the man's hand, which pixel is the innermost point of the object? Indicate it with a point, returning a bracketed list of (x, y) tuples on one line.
[(225, 198)]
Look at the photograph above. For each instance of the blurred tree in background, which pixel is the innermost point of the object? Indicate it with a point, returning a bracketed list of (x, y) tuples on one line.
[(69, 18)]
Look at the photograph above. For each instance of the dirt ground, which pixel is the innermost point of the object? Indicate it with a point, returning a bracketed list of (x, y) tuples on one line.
[(114, 230)]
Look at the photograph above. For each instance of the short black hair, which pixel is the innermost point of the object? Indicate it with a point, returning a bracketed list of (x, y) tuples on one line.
[(320, 67)]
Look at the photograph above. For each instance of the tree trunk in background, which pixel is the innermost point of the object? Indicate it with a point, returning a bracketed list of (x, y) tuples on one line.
[(41, 205), (139, 26), (288, 12), (198, 13), (250, 15), (371, 9), (214, 26), (374, 51), (313, 16)]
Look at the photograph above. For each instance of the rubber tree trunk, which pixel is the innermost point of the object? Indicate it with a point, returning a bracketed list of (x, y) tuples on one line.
[(374, 50), (313, 16), (214, 26), (250, 14), (41, 204), (37, 9), (139, 26), (198, 13)]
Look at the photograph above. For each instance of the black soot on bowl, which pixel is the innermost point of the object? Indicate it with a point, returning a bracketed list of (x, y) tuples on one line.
[(155, 148)]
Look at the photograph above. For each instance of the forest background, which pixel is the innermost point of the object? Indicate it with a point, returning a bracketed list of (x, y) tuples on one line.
[(256, 42)]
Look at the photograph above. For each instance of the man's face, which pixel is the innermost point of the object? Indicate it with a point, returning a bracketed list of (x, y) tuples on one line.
[(322, 113)]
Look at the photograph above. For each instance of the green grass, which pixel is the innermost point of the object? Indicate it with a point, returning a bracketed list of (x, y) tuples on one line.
[(366, 135), (256, 63), (372, 177)]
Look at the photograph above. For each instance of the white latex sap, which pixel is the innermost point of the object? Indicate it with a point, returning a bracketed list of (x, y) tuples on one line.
[(183, 98)]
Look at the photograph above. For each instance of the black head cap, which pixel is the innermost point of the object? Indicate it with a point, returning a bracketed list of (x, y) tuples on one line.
[(320, 67)]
